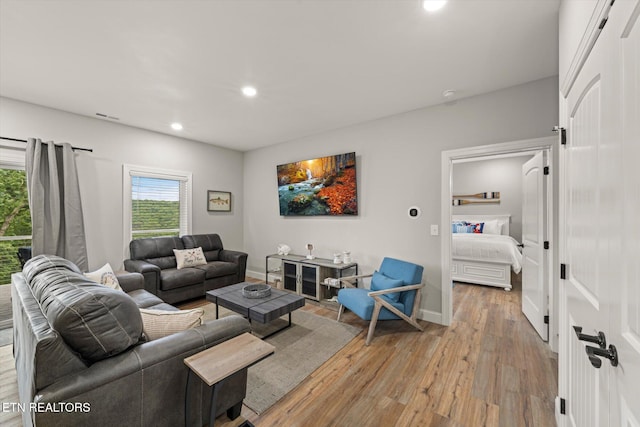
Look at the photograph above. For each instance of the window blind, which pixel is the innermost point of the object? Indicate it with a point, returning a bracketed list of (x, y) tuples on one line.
[(156, 202), (159, 206)]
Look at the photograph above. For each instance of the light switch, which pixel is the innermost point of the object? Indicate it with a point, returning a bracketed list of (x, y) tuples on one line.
[(434, 229)]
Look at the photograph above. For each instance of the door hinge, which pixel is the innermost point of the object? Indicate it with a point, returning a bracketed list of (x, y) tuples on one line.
[(546, 244), (546, 319), (603, 23), (546, 170), (563, 271), (563, 134), (563, 406)]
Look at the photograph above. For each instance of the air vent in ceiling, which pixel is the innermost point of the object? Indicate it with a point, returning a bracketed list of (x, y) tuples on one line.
[(104, 116)]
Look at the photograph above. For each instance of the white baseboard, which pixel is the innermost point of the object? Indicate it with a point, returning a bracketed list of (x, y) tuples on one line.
[(430, 316), (255, 274)]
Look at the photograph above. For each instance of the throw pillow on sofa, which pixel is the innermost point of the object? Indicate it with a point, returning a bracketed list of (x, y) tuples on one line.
[(189, 257), (105, 276), (160, 323)]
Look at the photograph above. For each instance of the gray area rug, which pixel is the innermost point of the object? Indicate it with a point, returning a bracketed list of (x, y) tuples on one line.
[(6, 336), (301, 349)]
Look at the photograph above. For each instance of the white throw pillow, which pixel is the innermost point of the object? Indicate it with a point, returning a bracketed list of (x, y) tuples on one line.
[(492, 227), (189, 257), (105, 276), (160, 323)]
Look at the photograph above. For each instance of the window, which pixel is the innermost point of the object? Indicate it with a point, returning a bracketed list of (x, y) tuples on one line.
[(15, 218), (157, 203)]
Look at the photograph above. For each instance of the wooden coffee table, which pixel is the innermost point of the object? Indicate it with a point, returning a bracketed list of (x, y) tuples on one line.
[(262, 310)]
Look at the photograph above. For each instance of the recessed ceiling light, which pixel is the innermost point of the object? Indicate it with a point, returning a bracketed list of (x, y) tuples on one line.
[(249, 91), (433, 5), (176, 126)]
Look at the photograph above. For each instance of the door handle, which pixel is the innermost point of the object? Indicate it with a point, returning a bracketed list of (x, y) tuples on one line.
[(599, 339), (595, 353)]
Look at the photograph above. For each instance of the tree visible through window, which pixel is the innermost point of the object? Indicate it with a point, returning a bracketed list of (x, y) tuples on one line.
[(159, 203), (155, 207), (15, 220)]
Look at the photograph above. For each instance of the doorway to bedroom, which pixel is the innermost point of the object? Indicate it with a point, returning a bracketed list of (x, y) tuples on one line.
[(494, 199)]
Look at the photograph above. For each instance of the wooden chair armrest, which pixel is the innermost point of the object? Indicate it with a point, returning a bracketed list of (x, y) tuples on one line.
[(398, 289), (360, 276), (350, 279)]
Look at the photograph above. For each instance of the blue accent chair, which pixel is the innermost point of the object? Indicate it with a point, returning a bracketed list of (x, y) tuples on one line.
[(394, 294)]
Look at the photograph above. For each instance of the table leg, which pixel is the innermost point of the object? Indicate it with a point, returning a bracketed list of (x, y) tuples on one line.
[(277, 330), (214, 401), (187, 395), (216, 308)]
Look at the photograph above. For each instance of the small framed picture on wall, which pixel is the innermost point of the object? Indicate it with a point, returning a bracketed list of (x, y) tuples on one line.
[(218, 201)]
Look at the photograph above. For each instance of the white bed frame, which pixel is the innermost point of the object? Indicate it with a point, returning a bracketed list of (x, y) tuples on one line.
[(489, 273)]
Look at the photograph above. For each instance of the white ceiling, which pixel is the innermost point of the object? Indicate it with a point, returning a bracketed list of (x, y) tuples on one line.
[(317, 64)]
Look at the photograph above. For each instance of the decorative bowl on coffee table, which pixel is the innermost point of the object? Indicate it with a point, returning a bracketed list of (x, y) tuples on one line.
[(256, 291)]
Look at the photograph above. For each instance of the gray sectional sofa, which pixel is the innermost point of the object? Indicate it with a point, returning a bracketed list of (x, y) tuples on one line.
[(155, 260), (81, 357)]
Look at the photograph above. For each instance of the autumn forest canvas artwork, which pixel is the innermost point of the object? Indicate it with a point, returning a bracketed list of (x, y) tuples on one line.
[(322, 186)]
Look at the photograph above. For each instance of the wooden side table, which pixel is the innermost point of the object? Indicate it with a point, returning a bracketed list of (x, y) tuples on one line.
[(214, 365)]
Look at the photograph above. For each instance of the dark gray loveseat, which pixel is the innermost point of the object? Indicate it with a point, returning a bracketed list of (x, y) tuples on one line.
[(155, 260), (81, 359)]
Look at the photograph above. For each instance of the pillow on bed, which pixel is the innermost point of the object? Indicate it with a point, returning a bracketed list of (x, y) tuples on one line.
[(468, 227), (492, 227), (476, 227), (456, 224)]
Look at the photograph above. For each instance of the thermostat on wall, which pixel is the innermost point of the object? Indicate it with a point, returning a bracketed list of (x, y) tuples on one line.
[(414, 212)]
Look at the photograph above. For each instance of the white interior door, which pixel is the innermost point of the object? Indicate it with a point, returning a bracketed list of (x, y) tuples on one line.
[(601, 243), (586, 253), (535, 298), (625, 311)]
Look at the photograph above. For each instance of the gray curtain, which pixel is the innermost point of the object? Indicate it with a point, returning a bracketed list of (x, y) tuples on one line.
[(54, 200)]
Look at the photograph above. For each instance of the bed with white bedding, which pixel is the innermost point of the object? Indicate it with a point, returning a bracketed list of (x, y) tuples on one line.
[(485, 258)]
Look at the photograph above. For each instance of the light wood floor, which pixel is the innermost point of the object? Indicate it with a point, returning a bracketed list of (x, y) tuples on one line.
[(489, 368)]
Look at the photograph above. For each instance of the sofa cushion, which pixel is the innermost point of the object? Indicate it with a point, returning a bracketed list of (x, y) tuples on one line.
[(95, 321), (162, 306), (156, 250), (173, 278), (105, 276), (156, 247), (160, 323), (211, 244), (359, 301), (189, 257), (144, 299), (163, 262), (218, 269), (40, 263)]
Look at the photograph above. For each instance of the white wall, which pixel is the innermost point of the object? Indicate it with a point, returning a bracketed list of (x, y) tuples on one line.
[(398, 161), (503, 175), (100, 172)]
